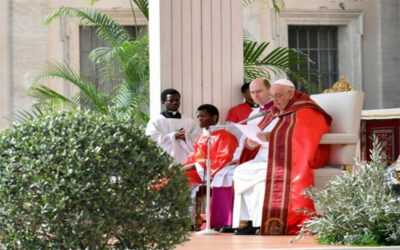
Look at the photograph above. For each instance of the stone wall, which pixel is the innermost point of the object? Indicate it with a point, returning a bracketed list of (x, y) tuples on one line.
[(372, 66), (26, 44), (389, 11)]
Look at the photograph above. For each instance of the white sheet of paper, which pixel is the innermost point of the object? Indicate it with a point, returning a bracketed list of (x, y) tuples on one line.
[(250, 131)]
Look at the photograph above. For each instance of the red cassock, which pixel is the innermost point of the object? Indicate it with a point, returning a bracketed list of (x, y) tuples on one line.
[(239, 112), (294, 151), (223, 146)]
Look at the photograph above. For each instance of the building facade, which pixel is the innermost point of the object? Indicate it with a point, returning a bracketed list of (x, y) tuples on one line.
[(362, 44)]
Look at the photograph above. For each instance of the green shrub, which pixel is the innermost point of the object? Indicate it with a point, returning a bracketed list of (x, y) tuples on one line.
[(358, 208), (80, 180)]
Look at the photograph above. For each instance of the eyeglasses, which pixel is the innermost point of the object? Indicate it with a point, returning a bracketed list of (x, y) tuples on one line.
[(279, 96)]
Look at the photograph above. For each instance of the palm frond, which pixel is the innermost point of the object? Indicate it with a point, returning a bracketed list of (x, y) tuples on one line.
[(102, 55), (107, 28), (92, 2), (257, 64), (131, 106), (134, 56), (279, 61), (130, 93), (22, 116), (307, 80), (111, 77), (143, 5), (277, 4), (132, 96), (252, 51), (97, 100), (48, 99), (125, 98), (284, 58), (129, 103)]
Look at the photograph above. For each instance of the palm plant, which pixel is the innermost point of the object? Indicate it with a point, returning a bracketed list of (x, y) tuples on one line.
[(257, 63), (132, 74), (143, 5), (48, 100)]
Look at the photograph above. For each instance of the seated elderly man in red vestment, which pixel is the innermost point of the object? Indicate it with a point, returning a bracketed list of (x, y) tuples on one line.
[(268, 185), (222, 147)]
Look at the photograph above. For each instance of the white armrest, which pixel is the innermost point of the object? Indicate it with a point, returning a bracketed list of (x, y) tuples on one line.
[(339, 138)]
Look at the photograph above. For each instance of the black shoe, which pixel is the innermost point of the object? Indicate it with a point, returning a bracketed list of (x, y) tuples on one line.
[(257, 231), (226, 229), (246, 231)]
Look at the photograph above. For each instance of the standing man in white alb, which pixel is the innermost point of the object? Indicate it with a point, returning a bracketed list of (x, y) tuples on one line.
[(172, 131)]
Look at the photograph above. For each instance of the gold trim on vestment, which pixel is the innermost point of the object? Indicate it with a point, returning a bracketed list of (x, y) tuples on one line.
[(273, 172), (286, 162)]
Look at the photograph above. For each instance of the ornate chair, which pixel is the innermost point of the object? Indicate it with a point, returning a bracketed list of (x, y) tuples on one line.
[(344, 104)]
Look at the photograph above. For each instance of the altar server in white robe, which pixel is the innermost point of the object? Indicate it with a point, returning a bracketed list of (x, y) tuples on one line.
[(171, 130)]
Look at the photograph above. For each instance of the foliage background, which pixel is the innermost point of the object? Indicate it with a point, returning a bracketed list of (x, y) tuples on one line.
[(86, 180), (358, 208), (126, 62)]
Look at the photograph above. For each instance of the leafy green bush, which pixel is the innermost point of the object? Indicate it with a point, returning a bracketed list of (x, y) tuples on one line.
[(358, 208), (81, 180)]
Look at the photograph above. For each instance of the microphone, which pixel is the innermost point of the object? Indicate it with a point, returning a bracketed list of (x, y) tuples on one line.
[(262, 113)]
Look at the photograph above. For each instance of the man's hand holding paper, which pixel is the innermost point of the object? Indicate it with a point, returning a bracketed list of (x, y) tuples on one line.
[(253, 132)]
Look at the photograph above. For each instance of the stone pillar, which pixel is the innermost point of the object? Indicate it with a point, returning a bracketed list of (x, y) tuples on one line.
[(389, 45), (196, 48), (5, 64)]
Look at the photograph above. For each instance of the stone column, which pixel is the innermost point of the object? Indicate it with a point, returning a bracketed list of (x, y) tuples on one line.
[(389, 46), (6, 52), (196, 48)]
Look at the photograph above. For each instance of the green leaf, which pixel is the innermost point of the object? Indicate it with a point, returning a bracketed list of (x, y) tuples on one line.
[(82, 180), (107, 28), (89, 95), (143, 5), (357, 208)]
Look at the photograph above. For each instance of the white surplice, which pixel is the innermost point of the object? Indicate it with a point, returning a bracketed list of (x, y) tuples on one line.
[(224, 177), (162, 130), (249, 179)]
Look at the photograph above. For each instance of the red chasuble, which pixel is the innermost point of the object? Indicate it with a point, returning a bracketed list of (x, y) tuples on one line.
[(223, 146), (294, 151)]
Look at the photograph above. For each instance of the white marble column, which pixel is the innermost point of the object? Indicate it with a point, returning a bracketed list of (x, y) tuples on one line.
[(196, 48), (5, 63)]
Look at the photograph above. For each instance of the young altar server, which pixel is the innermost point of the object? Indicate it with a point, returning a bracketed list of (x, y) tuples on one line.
[(222, 145)]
